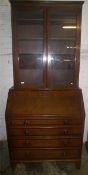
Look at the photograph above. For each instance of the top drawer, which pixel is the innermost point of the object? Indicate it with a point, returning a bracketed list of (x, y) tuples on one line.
[(47, 122)]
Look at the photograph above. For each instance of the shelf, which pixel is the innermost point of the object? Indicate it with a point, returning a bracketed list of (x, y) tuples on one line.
[(30, 39), (63, 39), (30, 21), (30, 54), (30, 61)]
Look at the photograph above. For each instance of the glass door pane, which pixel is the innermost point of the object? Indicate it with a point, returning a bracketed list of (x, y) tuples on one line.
[(61, 50), (30, 45)]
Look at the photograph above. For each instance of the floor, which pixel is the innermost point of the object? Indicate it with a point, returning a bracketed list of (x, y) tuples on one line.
[(44, 168)]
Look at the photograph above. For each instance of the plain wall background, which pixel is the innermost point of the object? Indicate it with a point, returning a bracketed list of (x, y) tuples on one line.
[(6, 68)]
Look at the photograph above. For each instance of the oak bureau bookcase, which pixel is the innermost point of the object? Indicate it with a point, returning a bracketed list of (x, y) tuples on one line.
[(45, 111)]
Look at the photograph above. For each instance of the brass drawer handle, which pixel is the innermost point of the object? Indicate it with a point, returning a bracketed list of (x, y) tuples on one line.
[(65, 143), (25, 122), (27, 142), (26, 131), (27, 154), (65, 132), (66, 122), (65, 154)]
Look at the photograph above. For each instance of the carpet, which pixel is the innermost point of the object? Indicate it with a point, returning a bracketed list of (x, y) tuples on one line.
[(46, 168)]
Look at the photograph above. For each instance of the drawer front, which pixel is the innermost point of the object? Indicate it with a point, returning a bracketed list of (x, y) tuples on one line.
[(37, 122), (44, 154), (49, 131), (45, 143)]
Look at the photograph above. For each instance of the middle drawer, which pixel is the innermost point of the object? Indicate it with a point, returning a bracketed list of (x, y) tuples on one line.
[(47, 131)]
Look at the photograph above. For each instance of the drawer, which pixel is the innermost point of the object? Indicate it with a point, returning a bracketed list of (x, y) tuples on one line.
[(47, 131), (37, 122), (44, 154), (45, 142)]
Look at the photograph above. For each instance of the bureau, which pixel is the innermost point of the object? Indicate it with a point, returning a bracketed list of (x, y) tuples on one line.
[(45, 125), (45, 111)]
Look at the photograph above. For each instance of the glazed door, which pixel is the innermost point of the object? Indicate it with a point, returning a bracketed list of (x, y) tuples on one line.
[(30, 46), (62, 48)]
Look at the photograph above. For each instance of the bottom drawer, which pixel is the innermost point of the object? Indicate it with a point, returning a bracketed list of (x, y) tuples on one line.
[(44, 154)]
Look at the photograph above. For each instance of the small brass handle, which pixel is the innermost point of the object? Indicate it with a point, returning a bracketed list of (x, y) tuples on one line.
[(65, 121), (25, 122), (27, 154), (65, 143), (27, 142), (26, 131), (65, 154), (65, 131)]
